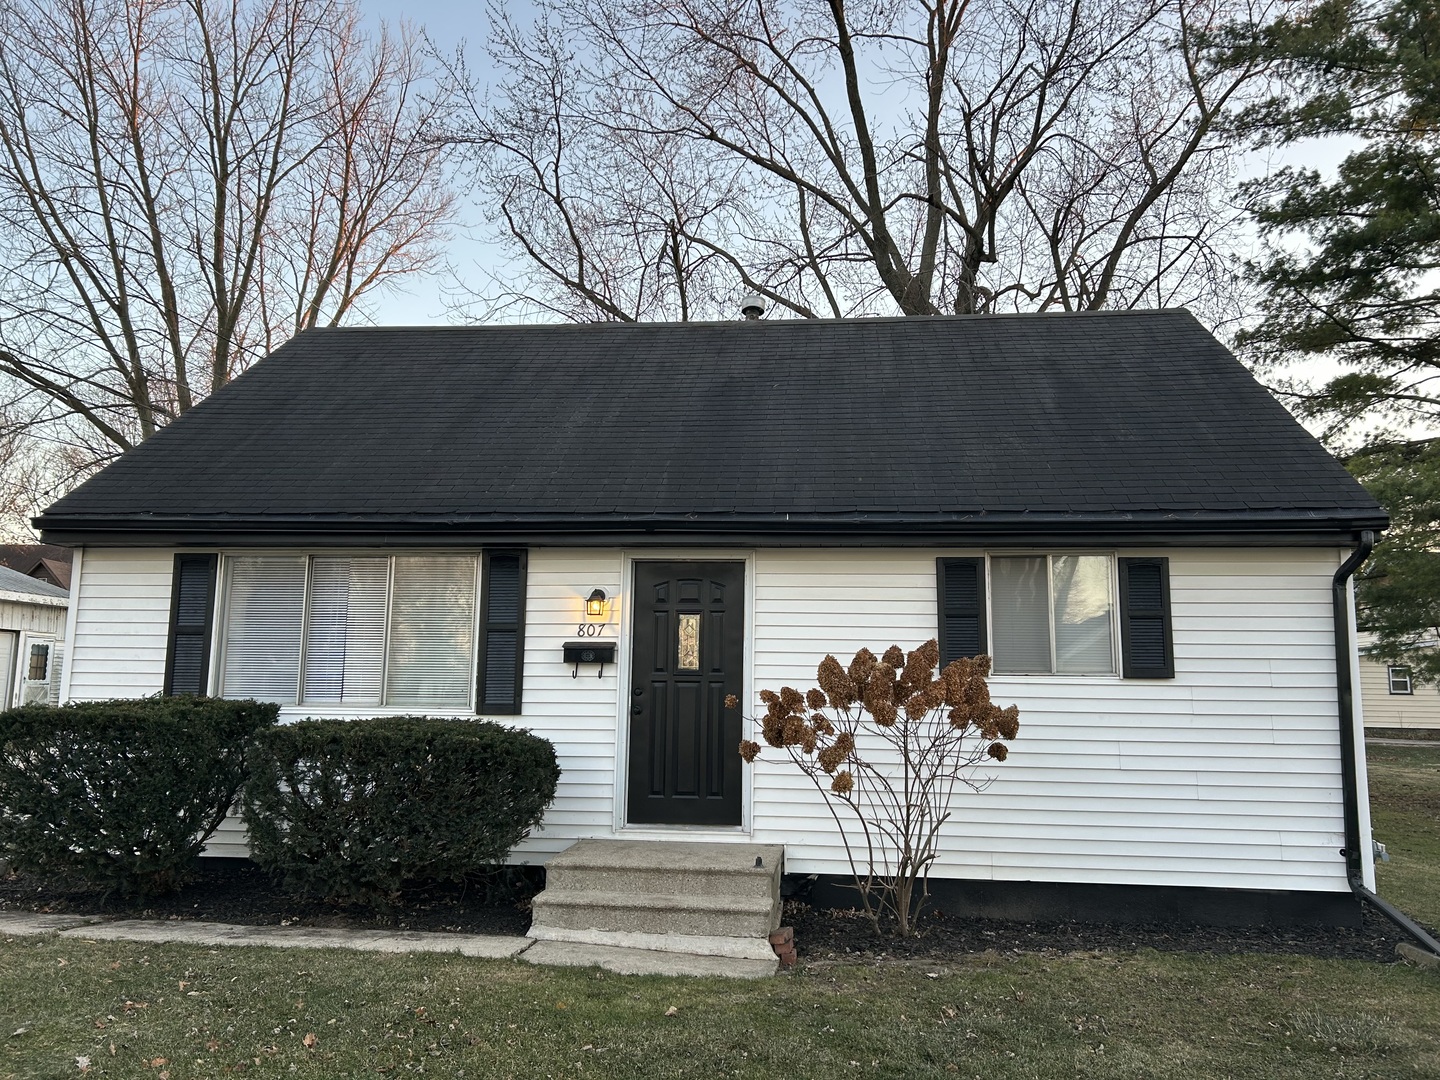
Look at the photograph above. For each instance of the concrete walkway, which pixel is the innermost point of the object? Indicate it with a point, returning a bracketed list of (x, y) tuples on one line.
[(487, 946), (1402, 742)]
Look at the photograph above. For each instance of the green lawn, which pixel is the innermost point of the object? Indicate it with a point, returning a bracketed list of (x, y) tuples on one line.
[(166, 1012), (1405, 817), (79, 1008)]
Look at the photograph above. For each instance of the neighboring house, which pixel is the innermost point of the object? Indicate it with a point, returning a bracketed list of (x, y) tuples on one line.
[(32, 633), (44, 562), (1391, 698), (430, 520)]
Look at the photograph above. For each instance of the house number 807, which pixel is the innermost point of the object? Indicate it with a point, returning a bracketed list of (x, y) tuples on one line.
[(589, 629)]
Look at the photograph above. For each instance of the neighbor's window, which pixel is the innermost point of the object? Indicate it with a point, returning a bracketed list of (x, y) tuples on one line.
[(39, 666), (1052, 614), (361, 630), (1400, 680)]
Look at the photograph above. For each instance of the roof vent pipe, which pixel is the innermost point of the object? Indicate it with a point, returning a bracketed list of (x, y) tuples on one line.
[(752, 307)]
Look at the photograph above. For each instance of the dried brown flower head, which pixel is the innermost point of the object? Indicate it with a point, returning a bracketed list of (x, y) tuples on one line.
[(731, 701), (795, 730), (821, 723), (838, 686), (880, 689), (998, 750), (845, 743), (830, 758), (772, 730), (894, 656), (885, 713), (1009, 722), (749, 750), (952, 683), (792, 699), (919, 666), (930, 696), (815, 699), (860, 669), (843, 783), (959, 719), (769, 697)]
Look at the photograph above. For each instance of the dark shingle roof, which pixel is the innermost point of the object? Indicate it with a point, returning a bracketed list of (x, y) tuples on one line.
[(947, 423)]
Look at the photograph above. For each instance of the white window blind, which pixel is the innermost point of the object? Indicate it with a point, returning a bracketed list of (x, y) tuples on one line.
[(264, 613), (1020, 611), (432, 631), (345, 635)]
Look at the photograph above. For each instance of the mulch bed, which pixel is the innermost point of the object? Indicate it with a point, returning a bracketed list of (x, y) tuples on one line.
[(823, 934), (235, 891)]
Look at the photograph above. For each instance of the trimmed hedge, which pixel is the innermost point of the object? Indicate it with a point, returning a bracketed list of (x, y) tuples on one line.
[(121, 794), (356, 810)]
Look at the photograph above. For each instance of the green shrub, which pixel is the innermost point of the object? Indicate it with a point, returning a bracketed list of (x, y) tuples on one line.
[(356, 810), (120, 794)]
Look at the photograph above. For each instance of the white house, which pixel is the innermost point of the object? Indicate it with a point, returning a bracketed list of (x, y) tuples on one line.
[(32, 629), (435, 520)]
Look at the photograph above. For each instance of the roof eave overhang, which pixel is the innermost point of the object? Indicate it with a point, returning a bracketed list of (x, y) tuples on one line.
[(1292, 528)]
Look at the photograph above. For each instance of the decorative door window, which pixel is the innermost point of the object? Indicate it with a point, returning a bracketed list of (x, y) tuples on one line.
[(687, 650)]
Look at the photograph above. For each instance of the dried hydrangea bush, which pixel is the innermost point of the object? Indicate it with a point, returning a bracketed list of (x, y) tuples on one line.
[(887, 741)]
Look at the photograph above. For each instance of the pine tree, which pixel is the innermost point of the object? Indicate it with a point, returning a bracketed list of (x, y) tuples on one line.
[(1351, 275)]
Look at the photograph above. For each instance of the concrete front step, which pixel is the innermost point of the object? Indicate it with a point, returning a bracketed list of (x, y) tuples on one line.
[(642, 892), (656, 913), (658, 866)]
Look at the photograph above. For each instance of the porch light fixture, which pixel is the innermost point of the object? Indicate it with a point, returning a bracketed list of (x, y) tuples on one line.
[(595, 605)]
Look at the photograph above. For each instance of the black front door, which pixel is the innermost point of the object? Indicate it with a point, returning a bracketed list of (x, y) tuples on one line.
[(689, 648)]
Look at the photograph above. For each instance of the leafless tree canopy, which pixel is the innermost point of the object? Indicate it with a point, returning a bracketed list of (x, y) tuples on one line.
[(183, 185), (654, 158)]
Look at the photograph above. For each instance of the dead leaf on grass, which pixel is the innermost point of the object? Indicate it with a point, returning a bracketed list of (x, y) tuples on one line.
[(672, 1011), (82, 1063), (310, 1040)]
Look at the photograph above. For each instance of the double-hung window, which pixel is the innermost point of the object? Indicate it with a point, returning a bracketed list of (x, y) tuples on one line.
[(350, 629), (1399, 678), (1058, 614)]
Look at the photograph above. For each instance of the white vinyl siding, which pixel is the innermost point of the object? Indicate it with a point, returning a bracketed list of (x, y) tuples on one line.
[(1226, 775), (121, 606)]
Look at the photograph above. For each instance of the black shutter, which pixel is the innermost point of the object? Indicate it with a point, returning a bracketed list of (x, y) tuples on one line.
[(1145, 646), (960, 588), (502, 632), (192, 607)]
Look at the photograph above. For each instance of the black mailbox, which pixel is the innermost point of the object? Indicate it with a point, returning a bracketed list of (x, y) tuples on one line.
[(589, 652)]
